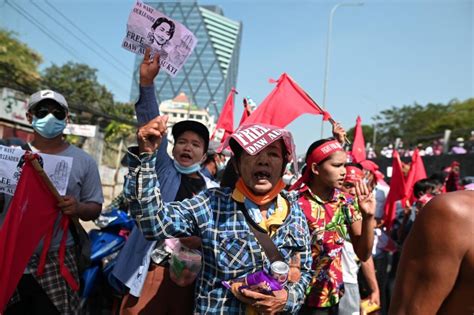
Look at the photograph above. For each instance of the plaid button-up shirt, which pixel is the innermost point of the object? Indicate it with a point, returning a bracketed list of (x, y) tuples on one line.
[(229, 248)]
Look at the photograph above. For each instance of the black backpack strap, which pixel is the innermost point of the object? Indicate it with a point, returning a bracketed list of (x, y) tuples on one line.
[(265, 241)]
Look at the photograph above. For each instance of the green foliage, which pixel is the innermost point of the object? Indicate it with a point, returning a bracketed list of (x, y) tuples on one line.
[(421, 124), (367, 130), (18, 64), (116, 130), (78, 83)]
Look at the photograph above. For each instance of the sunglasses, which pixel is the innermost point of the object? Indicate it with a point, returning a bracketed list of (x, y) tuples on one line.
[(43, 112)]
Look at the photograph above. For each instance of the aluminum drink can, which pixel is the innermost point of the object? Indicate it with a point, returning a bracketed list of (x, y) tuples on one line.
[(279, 270)]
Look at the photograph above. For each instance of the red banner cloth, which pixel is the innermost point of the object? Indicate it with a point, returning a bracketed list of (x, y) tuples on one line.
[(397, 190), (416, 173), (358, 147), (31, 215), (284, 104), (226, 118)]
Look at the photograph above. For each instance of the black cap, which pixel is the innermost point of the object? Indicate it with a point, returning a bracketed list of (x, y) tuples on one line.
[(194, 126)]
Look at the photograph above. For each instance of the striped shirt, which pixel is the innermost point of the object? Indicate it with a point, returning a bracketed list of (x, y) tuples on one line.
[(230, 250)]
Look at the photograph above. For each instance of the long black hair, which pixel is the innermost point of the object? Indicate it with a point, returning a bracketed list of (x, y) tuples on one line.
[(164, 20)]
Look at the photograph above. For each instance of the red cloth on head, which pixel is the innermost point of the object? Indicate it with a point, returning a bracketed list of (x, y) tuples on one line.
[(369, 165), (285, 103), (423, 200), (318, 155), (353, 174), (373, 168)]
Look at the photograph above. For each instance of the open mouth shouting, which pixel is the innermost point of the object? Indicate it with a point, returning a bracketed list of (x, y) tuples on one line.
[(262, 176), (185, 159)]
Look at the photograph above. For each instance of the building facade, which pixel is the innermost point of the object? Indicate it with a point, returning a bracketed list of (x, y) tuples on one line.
[(180, 108), (211, 71)]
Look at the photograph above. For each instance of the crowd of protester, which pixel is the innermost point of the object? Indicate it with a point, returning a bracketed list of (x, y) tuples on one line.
[(437, 147), (244, 208)]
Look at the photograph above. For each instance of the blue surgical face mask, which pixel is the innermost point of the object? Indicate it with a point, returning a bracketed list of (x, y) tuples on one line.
[(48, 126), (187, 169)]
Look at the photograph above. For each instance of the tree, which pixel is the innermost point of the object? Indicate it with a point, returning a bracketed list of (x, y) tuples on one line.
[(78, 83), (18, 64), (421, 124), (367, 130), (116, 130)]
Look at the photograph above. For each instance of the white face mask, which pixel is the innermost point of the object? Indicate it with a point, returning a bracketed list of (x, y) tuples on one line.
[(220, 166), (187, 169)]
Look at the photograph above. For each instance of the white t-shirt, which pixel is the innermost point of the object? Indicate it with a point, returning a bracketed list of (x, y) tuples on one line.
[(350, 268)]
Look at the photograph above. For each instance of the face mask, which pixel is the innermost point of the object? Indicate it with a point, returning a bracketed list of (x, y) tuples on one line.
[(220, 166), (187, 169), (48, 126)]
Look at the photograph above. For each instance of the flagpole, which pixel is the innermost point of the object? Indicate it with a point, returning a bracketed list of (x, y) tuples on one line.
[(332, 121), (328, 42)]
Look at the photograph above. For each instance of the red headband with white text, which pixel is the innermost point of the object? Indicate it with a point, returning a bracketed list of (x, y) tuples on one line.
[(318, 155)]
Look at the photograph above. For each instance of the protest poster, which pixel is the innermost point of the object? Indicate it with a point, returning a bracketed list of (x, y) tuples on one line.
[(148, 27), (58, 169)]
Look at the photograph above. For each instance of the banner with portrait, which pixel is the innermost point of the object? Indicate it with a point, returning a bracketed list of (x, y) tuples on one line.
[(148, 27), (58, 168)]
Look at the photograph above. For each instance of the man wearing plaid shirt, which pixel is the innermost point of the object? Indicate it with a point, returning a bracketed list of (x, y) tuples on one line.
[(229, 248)]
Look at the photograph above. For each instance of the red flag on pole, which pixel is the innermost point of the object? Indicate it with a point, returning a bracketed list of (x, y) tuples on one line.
[(285, 103), (31, 215), (226, 118), (358, 147), (417, 172), (397, 190)]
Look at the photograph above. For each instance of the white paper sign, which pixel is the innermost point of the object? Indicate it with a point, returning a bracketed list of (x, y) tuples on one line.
[(80, 130), (148, 27), (57, 167), (13, 106)]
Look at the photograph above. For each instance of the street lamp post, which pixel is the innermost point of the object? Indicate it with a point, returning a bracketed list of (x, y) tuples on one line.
[(326, 71)]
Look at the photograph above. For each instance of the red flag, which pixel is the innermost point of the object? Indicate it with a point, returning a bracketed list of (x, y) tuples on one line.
[(397, 190), (358, 147), (226, 118), (285, 103), (417, 172), (31, 214)]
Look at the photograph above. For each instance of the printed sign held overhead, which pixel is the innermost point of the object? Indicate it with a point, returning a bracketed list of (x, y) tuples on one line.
[(148, 27)]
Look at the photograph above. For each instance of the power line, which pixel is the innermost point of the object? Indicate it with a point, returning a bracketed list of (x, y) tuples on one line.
[(35, 22), (126, 73), (48, 33), (85, 34)]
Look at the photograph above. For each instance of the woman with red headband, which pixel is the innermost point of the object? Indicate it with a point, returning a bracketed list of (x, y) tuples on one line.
[(331, 214)]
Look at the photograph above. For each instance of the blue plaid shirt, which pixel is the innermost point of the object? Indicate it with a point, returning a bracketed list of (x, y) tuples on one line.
[(230, 250)]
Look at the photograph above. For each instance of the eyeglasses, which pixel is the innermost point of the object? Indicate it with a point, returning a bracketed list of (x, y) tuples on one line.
[(42, 112)]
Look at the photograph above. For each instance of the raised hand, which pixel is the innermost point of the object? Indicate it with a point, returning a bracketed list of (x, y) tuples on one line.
[(365, 199), (149, 68), (339, 132), (150, 135)]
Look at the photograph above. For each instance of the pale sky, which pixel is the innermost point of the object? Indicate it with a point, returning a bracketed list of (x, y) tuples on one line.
[(383, 54)]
